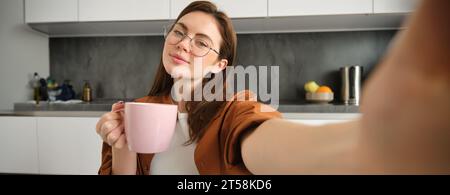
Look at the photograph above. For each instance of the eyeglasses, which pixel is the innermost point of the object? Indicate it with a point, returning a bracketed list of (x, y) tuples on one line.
[(200, 46)]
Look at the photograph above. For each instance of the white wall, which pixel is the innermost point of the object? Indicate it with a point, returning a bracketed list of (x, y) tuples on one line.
[(22, 52)]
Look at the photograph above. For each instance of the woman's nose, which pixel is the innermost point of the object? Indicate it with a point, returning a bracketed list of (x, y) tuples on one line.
[(184, 45)]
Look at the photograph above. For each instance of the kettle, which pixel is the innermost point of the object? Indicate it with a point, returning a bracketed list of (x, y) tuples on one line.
[(351, 84)]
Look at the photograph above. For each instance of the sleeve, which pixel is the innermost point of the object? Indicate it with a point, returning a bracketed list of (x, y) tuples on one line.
[(241, 117), (106, 166)]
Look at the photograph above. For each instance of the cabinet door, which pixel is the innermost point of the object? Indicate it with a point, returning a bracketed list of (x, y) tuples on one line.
[(123, 10), (51, 11), (68, 145), (394, 6), (233, 8), (314, 7), (18, 145)]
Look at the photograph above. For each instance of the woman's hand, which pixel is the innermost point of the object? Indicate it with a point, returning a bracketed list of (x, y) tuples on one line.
[(110, 127)]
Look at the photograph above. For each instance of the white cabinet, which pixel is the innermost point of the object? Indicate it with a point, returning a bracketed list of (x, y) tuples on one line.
[(68, 145), (123, 10), (51, 11), (18, 145), (320, 118), (233, 8), (49, 145), (394, 6), (316, 122), (314, 7), (147, 17), (47, 11)]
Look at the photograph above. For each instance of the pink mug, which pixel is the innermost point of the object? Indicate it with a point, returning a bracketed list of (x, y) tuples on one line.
[(149, 127)]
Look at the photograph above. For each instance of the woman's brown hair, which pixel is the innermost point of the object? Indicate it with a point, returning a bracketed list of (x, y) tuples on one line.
[(202, 112)]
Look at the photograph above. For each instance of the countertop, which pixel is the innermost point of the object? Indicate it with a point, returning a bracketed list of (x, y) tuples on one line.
[(52, 113), (98, 107), (305, 116), (105, 105)]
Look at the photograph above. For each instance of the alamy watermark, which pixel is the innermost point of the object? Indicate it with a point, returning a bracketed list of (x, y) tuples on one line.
[(235, 80)]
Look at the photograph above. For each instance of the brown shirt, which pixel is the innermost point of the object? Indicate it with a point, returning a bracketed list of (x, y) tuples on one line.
[(218, 151)]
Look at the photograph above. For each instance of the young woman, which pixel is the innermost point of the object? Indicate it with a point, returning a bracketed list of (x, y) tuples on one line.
[(214, 127), (404, 129)]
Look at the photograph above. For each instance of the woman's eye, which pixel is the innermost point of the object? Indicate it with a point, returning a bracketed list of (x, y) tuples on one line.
[(201, 43), (178, 33)]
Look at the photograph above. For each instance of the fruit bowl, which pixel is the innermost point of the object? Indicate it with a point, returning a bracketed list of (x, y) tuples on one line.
[(319, 97)]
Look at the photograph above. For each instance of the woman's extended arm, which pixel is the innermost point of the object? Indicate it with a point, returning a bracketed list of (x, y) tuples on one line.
[(405, 106), (281, 147)]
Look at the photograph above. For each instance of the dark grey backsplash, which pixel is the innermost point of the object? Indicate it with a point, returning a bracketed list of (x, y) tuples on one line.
[(124, 67), (116, 67)]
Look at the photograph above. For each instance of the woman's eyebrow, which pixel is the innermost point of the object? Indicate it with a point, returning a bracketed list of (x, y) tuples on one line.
[(182, 26), (185, 28), (202, 35)]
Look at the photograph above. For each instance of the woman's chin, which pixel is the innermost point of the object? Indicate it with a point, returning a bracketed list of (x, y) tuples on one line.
[(180, 72)]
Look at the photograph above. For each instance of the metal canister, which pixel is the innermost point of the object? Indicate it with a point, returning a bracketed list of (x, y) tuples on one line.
[(351, 84)]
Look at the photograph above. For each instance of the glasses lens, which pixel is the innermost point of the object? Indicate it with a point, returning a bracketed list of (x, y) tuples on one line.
[(200, 46), (174, 37)]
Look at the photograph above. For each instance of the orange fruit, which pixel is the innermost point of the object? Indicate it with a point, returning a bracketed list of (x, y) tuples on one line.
[(324, 89)]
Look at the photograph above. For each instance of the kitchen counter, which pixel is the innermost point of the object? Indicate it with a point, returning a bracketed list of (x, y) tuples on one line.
[(104, 105), (306, 116), (52, 113), (97, 105), (317, 108)]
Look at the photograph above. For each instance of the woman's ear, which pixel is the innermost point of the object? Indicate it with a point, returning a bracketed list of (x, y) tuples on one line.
[(222, 64)]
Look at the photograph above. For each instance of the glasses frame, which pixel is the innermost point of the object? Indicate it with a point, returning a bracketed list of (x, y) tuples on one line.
[(166, 34)]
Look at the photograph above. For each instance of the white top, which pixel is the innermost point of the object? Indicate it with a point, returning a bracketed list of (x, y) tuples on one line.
[(178, 159)]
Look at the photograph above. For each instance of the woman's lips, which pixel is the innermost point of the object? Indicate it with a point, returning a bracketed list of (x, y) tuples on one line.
[(178, 60)]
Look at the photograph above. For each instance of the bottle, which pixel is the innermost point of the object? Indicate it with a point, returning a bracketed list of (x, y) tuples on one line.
[(87, 92), (36, 88)]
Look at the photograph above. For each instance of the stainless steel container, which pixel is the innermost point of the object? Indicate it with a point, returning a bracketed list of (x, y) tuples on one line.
[(351, 84)]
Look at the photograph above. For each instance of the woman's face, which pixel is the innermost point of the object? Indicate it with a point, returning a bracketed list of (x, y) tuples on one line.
[(179, 56)]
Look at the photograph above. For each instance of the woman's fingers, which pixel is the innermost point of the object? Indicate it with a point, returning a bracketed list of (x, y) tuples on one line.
[(107, 117), (113, 115), (113, 136), (121, 141), (108, 127), (117, 106)]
